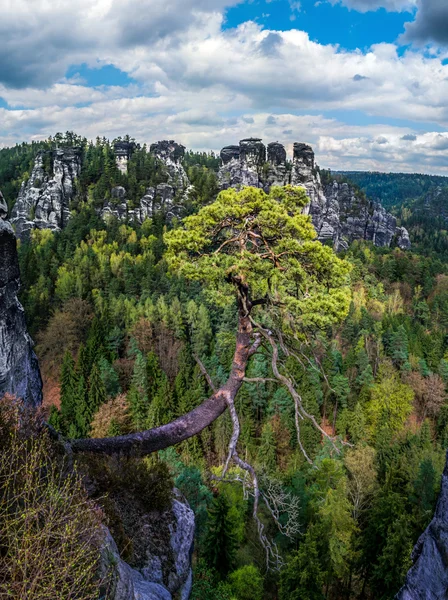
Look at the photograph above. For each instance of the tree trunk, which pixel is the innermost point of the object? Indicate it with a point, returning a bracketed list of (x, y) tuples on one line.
[(190, 424)]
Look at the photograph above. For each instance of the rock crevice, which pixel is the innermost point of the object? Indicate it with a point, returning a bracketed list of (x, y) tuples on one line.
[(19, 370), (428, 577), (44, 200)]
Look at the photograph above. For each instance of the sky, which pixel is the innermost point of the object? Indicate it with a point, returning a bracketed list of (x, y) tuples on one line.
[(365, 82)]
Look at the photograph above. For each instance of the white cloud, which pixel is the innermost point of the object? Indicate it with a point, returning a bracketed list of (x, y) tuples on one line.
[(40, 39), (372, 5)]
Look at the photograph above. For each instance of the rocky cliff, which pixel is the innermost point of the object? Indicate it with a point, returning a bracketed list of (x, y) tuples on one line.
[(339, 212), (44, 200), (19, 371), (166, 572), (428, 577)]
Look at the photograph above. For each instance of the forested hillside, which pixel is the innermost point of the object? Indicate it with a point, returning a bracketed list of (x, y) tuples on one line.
[(393, 189), (124, 342)]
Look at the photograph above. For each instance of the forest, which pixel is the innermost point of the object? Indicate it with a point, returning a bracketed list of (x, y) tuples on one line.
[(128, 340)]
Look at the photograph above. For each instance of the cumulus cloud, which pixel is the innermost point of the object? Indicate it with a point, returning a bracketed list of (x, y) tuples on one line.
[(40, 39), (372, 5), (430, 24)]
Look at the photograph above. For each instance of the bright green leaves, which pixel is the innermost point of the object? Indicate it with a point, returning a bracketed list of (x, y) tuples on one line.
[(263, 241)]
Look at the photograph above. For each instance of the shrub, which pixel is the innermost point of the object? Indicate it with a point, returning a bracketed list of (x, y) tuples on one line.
[(50, 532), (247, 583)]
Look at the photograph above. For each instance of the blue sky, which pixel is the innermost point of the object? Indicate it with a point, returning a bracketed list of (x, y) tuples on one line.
[(364, 81), (325, 23)]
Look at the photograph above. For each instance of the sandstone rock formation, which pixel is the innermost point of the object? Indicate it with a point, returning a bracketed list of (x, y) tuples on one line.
[(339, 212), (166, 197), (167, 572), (123, 151), (44, 200), (19, 371), (428, 577)]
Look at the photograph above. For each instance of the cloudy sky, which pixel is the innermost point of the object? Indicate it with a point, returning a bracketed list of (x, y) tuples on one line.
[(364, 81)]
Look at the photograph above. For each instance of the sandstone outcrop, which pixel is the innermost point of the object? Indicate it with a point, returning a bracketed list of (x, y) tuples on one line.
[(340, 213), (167, 572), (123, 151), (166, 198), (19, 371), (427, 579), (44, 200)]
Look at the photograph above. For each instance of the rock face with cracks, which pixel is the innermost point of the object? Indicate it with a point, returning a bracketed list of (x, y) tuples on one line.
[(339, 213), (427, 579), (166, 573), (44, 200), (19, 370)]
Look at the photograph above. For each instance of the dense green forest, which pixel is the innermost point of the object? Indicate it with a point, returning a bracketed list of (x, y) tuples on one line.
[(119, 336), (393, 189)]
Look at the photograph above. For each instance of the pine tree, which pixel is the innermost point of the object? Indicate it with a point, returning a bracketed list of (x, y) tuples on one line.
[(84, 365), (266, 456), (68, 391), (138, 392), (83, 414), (55, 419), (97, 392), (302, 578), (161, 408), (221, 540)]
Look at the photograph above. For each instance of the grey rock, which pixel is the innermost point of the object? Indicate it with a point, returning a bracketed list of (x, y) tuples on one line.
[(253, 152), (3, 207), (276, 153), (44, 200), (19, 370), (243, 167), (127, 583), (403, 240), (305, 174), (168, 150), (123, 151), (228, 153), (427, 579), (166, 573)]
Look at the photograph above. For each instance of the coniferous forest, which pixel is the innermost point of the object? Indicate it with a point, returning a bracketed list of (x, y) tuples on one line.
[(132, 332)]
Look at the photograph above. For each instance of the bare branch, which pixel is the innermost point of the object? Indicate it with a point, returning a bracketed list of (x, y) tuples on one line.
[(205, 373), (259, 380)]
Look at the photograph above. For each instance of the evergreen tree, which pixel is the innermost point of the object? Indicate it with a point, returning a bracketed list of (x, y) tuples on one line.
[(303, 578), (68, 391), (97, 391), (221, 540), (266, 456), (83, 414)]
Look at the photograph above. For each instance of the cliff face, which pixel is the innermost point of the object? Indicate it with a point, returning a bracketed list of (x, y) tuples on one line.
[(19, 371), (44, 200), (167, 572), (428, 577), (339, 214)]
